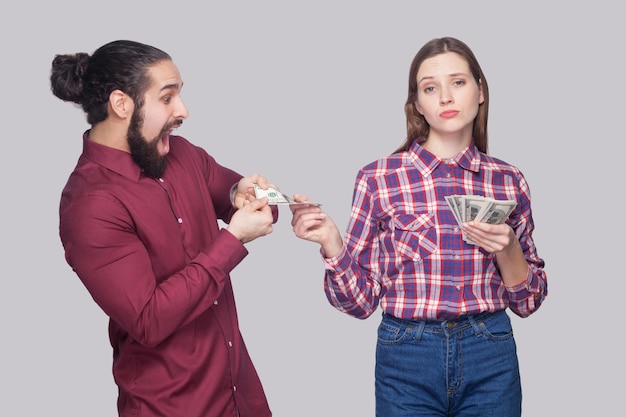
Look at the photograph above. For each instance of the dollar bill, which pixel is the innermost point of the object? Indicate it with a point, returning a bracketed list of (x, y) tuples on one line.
[(276, 197), (472, 206), (496, 212), (454, 207)]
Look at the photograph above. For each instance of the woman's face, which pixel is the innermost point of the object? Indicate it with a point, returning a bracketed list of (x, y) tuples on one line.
[(448, 96)]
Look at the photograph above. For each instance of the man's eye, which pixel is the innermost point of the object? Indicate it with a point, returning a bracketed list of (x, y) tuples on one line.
[(167, 99)]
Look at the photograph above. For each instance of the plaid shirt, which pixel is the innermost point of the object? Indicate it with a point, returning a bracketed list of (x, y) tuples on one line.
[(405, 251)]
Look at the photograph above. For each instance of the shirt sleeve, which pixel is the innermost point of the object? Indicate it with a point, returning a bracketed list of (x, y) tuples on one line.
[(526, 297), (104, 250), (352, 278), (220, 177)]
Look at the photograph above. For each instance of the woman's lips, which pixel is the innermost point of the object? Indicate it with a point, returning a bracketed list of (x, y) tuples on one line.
[(448, 114)]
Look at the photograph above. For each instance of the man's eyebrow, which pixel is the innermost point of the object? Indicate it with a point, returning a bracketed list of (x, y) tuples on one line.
[(173, 86)]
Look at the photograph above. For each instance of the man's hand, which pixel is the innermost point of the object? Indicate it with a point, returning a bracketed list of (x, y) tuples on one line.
[(245, 189), (252, 220)]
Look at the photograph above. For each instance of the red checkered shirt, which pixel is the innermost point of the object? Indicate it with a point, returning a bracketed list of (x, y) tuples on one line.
[(404, 249)]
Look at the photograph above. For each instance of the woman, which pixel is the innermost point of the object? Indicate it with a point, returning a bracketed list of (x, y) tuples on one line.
[(445, 344)]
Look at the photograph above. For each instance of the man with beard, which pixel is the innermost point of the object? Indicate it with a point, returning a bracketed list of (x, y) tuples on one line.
[(139, 225)]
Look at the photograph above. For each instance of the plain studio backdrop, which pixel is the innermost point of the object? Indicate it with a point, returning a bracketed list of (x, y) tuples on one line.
[(306, 93)]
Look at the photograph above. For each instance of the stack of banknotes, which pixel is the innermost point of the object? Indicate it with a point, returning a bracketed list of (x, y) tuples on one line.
[(478, 208)]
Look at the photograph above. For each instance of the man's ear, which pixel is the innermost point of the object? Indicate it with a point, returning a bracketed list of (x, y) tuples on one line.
[(120, 104)]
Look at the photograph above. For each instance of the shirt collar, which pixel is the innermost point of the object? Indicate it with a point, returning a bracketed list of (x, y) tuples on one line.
[(113, 159), (426, 162)]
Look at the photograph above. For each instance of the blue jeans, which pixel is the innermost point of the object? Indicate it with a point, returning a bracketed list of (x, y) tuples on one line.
[(462, 368)]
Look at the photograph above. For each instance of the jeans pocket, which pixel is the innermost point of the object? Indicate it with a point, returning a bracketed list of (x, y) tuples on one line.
[(497, 328), (392, 333)]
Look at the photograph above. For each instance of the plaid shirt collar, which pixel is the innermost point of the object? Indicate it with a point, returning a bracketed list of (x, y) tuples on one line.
[(426, 162)]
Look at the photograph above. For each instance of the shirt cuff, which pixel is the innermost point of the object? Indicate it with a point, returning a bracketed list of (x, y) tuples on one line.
[(529, 284), (339, 262), (233, 191), (225, 252)]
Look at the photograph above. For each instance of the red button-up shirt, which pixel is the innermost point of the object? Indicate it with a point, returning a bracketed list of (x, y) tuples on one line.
[(151, 254)]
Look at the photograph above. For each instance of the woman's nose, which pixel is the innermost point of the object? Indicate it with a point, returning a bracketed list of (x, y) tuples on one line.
[(446, 96)]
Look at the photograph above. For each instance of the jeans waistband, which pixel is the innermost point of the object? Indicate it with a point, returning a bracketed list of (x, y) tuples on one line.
[(467, 319)]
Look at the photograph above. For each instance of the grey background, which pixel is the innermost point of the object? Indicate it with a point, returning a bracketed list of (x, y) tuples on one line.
[(306, 93)]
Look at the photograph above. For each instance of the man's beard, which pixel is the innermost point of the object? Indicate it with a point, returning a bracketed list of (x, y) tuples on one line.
[(146, 153)]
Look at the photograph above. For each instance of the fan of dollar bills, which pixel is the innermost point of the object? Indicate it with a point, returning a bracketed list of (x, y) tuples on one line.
[(478, 208)]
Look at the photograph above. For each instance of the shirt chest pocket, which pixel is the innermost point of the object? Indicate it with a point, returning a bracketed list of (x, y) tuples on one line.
[(415, 235)]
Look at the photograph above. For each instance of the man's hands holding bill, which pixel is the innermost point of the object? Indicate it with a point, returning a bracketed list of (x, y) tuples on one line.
[(254, 217)]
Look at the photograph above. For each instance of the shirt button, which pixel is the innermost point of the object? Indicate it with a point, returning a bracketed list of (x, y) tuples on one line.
[(458, 287), (456, 230), (234, 387), (180, 220), (215, 302), (448, 175), (457, 257), (230, 344), (161, 180)]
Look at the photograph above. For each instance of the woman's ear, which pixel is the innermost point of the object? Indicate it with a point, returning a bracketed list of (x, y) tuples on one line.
[(418, 108), (481, 97)]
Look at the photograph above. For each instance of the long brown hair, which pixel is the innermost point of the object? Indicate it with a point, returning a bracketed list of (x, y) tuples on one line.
[(416, 126)]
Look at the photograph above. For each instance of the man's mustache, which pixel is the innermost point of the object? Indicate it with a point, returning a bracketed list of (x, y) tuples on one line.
[(176, 123), (172, 125)]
